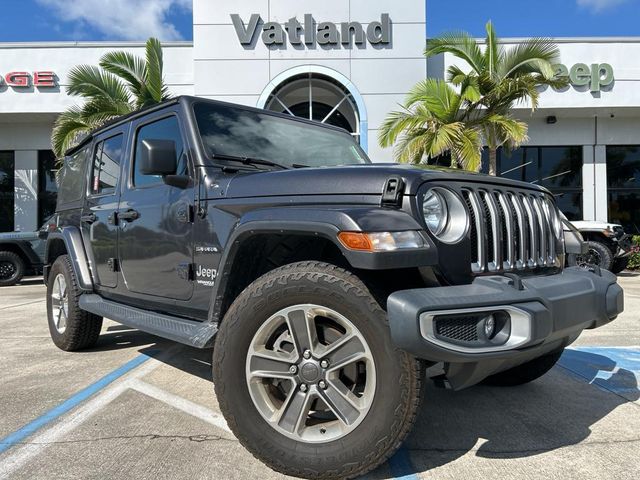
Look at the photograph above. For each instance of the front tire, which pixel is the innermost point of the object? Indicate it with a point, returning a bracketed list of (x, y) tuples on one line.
[(307, 376), (597, 254), (71, 328), (525, 373), (11, 268)]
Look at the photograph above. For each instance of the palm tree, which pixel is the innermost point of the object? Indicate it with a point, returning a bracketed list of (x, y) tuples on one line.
[(430, 124), (497, 79), (121, 84)]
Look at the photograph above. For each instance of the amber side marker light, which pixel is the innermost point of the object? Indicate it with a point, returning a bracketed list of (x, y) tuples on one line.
[(381, 241)]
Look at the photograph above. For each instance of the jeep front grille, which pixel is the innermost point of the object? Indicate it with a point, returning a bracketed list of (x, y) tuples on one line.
[(510, 230)]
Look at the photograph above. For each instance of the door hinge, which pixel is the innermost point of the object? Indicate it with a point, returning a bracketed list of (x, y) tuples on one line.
[(393, 191), (186, 271), (113, 264), (185, 213)]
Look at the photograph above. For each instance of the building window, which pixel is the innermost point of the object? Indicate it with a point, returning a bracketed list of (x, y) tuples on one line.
[(557, 168), (7, 193), (47, 185), (316, 97), (623, 182)]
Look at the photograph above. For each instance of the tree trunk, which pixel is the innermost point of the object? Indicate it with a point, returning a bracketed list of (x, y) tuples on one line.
[(493, 155)]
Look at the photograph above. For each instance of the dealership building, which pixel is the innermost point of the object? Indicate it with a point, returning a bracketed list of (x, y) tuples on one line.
[(347, 63)]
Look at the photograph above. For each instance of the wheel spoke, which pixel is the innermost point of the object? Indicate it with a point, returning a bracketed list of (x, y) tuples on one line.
[(294, 411), (302, 328), (340, 404), (269, 364), (344, 351)]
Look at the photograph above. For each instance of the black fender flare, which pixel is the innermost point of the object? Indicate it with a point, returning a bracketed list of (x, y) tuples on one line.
[(325, 222), (25, 249), (74, 245)]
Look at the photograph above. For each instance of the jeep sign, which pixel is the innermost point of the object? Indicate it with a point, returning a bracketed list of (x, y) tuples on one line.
[(309, 32), (597, 76)]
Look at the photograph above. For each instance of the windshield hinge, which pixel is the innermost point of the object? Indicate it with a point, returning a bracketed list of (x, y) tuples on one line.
[(392, 193)]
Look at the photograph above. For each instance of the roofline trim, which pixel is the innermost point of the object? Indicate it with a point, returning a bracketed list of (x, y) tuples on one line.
[(117, 44), (566, 39)]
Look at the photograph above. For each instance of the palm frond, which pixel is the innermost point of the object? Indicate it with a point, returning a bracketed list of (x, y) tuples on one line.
[(90, 82), (131, 68), (459, 44), (536, 55), (155, 82), (67, 129)]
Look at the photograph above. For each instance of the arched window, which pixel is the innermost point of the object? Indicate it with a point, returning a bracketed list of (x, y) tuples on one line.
[(320, 94)]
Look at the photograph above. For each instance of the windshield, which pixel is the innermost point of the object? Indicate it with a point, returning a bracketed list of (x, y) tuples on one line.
[(230, 131)]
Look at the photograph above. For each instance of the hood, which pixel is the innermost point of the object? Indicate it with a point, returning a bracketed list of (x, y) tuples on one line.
[(366, 179)]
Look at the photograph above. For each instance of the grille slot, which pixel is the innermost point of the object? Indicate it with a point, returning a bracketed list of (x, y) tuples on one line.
[(461, 328), (510, 230)]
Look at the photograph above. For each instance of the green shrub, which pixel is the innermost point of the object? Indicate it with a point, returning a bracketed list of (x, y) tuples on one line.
[(634, 259)]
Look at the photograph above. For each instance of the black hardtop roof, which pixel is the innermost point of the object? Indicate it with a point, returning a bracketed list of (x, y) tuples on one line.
[(187, 100)]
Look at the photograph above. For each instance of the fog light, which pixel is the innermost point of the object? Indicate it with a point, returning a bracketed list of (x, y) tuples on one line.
[(489, 326)]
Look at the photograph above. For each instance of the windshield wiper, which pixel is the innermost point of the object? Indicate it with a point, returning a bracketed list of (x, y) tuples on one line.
[(249, 160)]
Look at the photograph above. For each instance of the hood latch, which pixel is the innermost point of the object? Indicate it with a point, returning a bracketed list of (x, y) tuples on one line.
[(392, 193)]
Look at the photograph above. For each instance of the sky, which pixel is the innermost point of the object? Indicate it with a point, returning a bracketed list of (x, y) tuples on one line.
[(91, 20)]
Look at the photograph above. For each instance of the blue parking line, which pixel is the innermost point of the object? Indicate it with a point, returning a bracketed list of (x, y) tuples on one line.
[(401, 467), (35, 425), (615, 369)]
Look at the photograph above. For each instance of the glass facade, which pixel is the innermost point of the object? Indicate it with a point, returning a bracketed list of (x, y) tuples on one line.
[(557, 168), (623, 182), (47, 185), (7, 194)]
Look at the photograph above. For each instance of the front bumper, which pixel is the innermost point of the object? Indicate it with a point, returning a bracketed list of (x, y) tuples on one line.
[(543, 314)]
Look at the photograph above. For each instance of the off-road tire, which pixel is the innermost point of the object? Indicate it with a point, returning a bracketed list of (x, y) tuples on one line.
[(602, 251), (619, 264), (83, 328), (525, 373), (398, 375), (18, 268)]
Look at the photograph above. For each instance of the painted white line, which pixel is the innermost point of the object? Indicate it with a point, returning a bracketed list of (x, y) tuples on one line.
[(175, 401), (19, 457)]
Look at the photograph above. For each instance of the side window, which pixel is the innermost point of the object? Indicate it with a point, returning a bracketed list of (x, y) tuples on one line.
[(106, 165), (72, 177), (165, 129)]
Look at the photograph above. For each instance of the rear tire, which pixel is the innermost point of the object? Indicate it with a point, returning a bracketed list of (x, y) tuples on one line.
[(525, 373), (71, 328), (12, 268), (313, 442), (619, 264), (597, 254)]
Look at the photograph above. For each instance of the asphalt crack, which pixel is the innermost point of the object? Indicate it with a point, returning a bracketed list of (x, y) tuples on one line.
[(201, 438)]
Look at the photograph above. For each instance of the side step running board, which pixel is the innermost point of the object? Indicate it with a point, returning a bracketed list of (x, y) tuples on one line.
[(189, 332)]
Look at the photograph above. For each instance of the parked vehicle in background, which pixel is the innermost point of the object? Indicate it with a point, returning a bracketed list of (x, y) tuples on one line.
[(325, 283), (22, 253), (607, 246)]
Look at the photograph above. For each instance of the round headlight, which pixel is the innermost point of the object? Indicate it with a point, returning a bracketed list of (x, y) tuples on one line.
[(434, 210), (444, 214)]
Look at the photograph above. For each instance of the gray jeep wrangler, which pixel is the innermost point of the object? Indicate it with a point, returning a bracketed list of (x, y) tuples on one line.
[(326, 285)]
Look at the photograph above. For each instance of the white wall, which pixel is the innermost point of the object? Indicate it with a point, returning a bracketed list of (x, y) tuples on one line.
[(226, 70), (61, 57)]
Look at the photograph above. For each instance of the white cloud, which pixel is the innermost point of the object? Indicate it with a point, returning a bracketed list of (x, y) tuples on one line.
[(599, 5), (121, 19)]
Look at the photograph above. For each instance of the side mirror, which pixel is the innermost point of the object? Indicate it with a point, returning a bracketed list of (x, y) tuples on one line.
[(158, 157)]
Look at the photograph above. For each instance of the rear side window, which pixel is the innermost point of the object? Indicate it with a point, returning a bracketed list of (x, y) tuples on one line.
[(165, 129), (106, 165), (72, 177)]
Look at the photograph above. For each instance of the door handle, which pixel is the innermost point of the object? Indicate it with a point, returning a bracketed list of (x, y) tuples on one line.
[(88, 218), (129, 215)]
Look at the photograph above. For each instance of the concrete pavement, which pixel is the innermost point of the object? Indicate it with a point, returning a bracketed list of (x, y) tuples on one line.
[(160, 419)]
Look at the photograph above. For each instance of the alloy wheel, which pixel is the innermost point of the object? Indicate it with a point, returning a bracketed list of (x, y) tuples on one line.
[(310, 373)]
